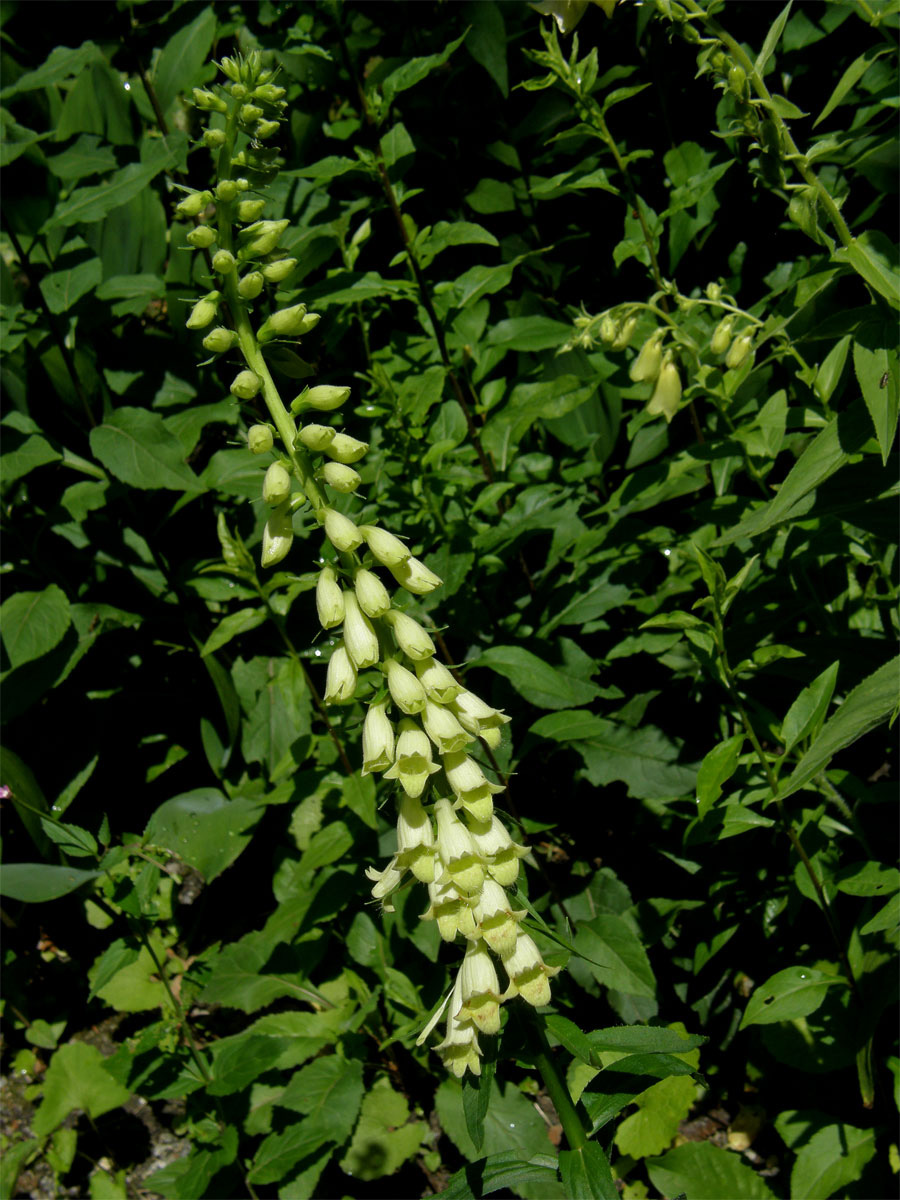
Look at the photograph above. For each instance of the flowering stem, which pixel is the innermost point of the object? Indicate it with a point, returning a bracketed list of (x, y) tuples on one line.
[(569, 1117)]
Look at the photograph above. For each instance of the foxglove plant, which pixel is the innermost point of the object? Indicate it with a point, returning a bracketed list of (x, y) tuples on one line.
[(451, 840)]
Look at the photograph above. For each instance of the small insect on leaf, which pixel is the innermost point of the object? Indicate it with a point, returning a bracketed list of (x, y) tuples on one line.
[(884, 379)]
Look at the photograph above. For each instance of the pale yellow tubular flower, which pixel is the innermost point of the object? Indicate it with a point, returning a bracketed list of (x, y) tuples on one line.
[(340, 681), (377, 740), (480, 988), (329, 598), (412, 762), (463, 864), (528, 973), (439, 684), (406, 691), (360, 638)]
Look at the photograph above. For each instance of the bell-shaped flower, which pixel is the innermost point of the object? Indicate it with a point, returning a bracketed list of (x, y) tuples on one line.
[(377, 739), (410, 636), (476, 716), (360, 638), (462, 862), (329, 598), (277, 535), (646, 365), (473, 792), (412, 762), (498, 922), (496, 847), (480, 988), (444, 908), (341, 531), (345, 449), (459, 1050), (443, 728), (415, 839), (386, 882), (528, 973), (667, 393), (415, 577), (385, 547), (406, 690), (371, 593), (437, 681), (340, 681)]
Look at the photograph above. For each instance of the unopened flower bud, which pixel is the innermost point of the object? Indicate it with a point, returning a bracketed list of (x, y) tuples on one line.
[(245, 385), (276, 485), (624, 334), (740, 348), (359, 636), (411, 637), (340, 530), (223, 262), (261, 238), (608, 329), (219, 340), (341, 478), (415, 577), (266, 129), (385, 547), (204, 311), (230, 67), (259, 439), (371, 593), (646, 365), (277, 536), (214, 139), (714, 291), (667, 393), (329, 598), (377, 740), (345, 449), (316, 437), (269, 92), (209, 101), (285, 323), (226, 191), (340, 681), (737, 80), (406, 691), (443, 728), (721, 338), (250, 113), (250, 210), (323, 398), (194, 204), (250, 285), (202, 237), (278, 271), (238, 90)]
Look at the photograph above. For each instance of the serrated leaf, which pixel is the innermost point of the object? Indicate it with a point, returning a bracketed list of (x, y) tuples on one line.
[(809, 708), (706, 1172), (586, 1175), (608, 940), (135, 445), (76, 1078), (535, 680), (204, 828)]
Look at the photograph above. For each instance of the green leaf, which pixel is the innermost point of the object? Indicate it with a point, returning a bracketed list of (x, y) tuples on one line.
[(487, 40), (238, 1060), (73, 839), (569, 1035), (887, 918), (491, 196), (384, 1138), (183, 57), (715, 770), (133, 292), (529, 333), (867, 706), (661, 1109), (89, 204), (204, 828), (25, 790), (825, 455), (829, 1156), (706, 1172), (504, 1171), (23, 454), (877, 367), (773, 37), (867, 879), (232, 626), (328, 1092), (510, 1122), (787, 995), (76, 1078), (586, 1175), (61, 289), (37, 882), (87, 156), (135, 445), (644, 1039), (135, 986), (414, 71), (62, 63), (117, 955), (849, 80), (12, 1163), (809, 708), (483, 281), (829, 373), (539, 683), (874, 257), (33, 623), (609, 941), (643, 758)]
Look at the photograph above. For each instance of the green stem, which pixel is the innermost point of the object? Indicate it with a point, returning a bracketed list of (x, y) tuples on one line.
[(573, 1126)]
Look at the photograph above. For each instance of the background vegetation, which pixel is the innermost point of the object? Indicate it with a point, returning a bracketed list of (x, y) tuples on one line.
[(688, 609)]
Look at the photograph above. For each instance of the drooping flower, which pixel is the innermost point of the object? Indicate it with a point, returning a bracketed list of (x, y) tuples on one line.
[(437, 681), (480, 988), (412, 763), (377, 739), (360, 638), (528, 973), (340, 681), (462, 862), (407, 692)]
